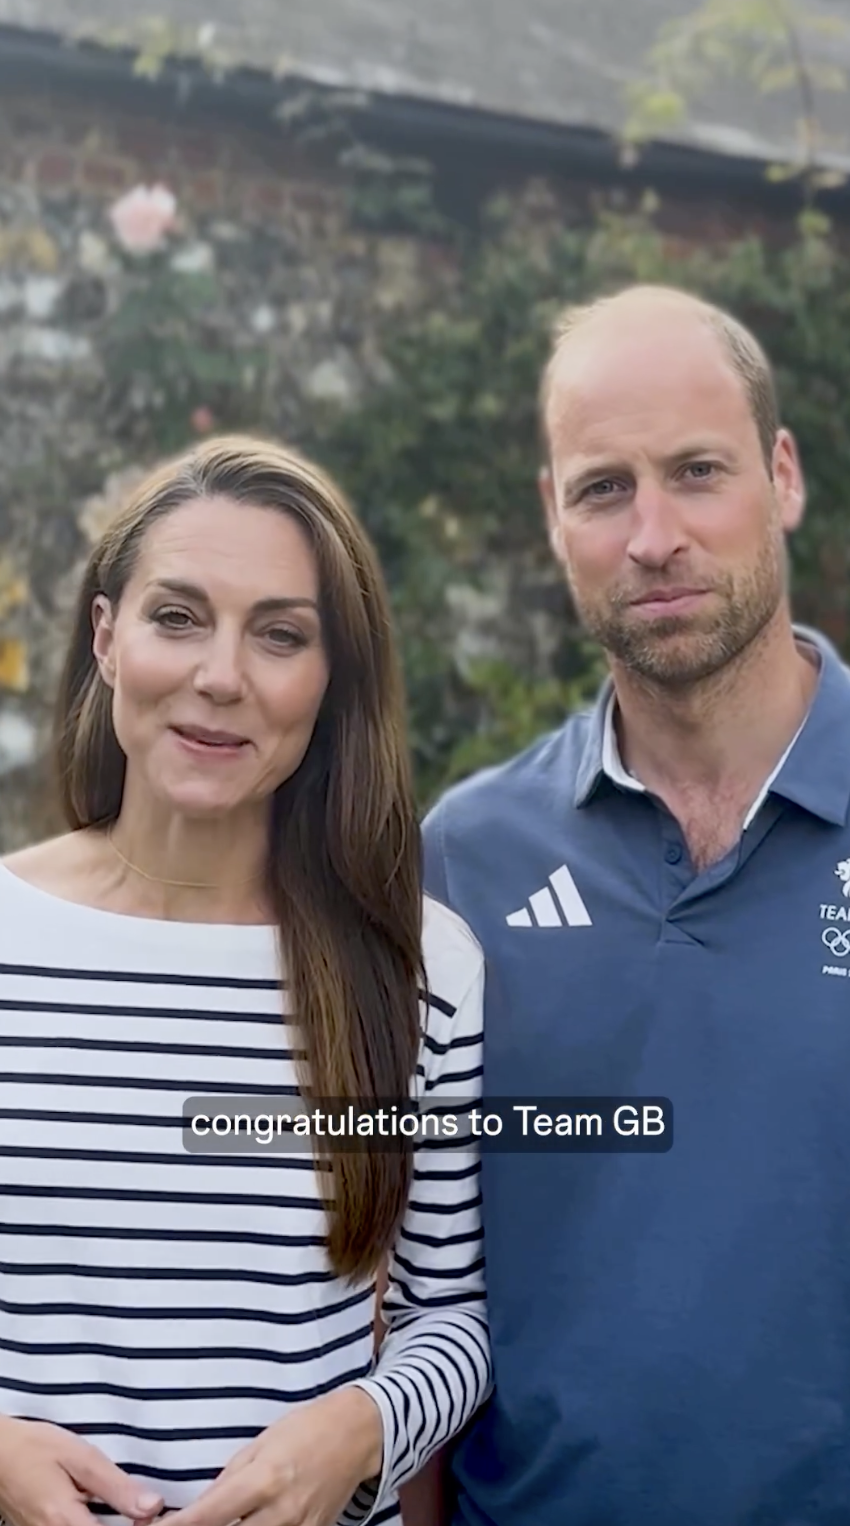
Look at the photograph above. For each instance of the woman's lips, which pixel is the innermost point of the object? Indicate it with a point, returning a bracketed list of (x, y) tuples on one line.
[(203, 743)]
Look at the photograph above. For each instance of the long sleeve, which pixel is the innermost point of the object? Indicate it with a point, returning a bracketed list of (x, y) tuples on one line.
[(433, 1370)]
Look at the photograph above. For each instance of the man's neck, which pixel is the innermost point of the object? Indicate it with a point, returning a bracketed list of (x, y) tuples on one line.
[(713, 746)]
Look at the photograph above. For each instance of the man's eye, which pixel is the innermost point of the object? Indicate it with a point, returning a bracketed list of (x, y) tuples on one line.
[(701, 469), (602, 489)]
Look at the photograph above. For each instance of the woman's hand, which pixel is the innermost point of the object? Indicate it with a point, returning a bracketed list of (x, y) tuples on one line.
[(302, 1471), (47, 1474)]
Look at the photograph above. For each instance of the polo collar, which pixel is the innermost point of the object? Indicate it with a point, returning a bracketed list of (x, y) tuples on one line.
[(813, 773)]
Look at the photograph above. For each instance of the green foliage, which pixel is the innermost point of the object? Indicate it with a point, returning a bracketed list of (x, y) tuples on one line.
[(769, 45), (442, 461), (514, 710), (387, 191), (164, 350), (156, 41)]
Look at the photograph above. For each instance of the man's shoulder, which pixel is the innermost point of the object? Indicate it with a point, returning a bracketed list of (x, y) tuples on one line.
[(479, 802), (492, 827)]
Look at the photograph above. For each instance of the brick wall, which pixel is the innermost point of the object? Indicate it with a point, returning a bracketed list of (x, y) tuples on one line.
[(54, 144)]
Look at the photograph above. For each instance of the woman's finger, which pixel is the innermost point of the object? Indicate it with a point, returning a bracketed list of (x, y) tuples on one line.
[(229, 1499), (103, 1480)]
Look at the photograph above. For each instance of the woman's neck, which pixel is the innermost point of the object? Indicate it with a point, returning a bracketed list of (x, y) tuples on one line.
[(163, 864)]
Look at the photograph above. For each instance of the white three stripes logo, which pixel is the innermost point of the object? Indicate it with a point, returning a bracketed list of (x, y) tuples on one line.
[(544, 912)]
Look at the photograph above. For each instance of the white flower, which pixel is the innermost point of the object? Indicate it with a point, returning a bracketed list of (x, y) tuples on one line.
[(195, 259), (142, 218), (101, 509)]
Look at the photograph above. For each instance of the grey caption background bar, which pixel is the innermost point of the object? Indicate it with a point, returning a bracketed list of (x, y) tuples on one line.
[(276, 1124)]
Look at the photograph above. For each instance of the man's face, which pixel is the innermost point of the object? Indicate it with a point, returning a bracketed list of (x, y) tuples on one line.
[(660, 504)]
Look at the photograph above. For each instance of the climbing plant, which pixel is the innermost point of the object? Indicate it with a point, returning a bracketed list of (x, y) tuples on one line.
[(441, 459)]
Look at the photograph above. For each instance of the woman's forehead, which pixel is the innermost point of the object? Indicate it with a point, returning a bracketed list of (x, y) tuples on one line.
[(230, 543)]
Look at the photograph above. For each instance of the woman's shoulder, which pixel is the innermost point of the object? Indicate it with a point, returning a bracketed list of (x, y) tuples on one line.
[(46, 883), (53, 915), (452, 955), (452, 1038), (36, 897), (52, 865)]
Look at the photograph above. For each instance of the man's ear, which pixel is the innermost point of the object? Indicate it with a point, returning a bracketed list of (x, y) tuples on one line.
[(103, 641), (788, 481)]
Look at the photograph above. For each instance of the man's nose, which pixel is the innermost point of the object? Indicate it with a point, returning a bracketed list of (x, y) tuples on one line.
[(658, 532)]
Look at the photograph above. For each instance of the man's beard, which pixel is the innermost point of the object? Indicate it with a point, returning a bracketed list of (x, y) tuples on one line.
[(681, 650)]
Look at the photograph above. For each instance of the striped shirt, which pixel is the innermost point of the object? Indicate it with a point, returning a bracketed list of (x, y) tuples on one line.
[(168, 1306)]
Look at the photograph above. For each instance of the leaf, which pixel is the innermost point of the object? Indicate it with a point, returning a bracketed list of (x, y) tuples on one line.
[(768, 44), (654, 110), (194, 290), (779, 173), (210, 365), (829, 77), (663, 108), (814, 224), (777, 77), (829, 180)]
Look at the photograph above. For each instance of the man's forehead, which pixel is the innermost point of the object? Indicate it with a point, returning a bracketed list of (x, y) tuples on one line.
[(604, 380)]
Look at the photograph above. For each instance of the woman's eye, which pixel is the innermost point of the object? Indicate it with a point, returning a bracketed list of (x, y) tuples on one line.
[(282, 636), (172, 619)]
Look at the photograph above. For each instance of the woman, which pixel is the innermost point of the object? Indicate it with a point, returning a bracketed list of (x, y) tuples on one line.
[(235, 912)]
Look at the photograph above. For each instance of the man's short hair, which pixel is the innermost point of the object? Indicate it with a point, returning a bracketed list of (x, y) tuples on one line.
[(746, 356)]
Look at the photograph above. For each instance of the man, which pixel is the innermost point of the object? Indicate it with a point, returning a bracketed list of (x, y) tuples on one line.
[(661, 889)]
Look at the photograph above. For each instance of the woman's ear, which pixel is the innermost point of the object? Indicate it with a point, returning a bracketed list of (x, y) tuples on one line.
[(103, 643)]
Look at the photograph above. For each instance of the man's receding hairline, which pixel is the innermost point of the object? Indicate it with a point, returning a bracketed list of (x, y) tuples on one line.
[(741, 350), (576, 320)]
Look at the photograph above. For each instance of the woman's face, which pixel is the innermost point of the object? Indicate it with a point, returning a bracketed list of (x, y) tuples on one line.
[(215, 656)]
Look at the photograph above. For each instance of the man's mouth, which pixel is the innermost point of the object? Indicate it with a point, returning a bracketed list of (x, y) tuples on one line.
[(669, 600)]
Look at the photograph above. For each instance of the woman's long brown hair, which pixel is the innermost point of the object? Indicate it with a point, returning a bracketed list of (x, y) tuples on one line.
[(343, 866)]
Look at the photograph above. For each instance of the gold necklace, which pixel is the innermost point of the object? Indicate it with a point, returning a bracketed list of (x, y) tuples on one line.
[(174, 884)]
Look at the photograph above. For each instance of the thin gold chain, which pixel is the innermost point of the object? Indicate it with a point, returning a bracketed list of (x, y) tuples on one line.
[(175, 884)]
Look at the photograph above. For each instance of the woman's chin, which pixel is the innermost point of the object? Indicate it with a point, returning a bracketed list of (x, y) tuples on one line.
[(199, 799)]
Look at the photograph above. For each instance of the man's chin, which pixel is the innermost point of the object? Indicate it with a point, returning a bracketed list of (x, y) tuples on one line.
[(674, 652)]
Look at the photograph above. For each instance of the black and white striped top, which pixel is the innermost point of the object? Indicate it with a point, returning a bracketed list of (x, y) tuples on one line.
[(169, 1306)]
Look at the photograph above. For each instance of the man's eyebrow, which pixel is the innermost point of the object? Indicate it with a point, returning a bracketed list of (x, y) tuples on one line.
[(598, 471), (185, 590), (699, 448)]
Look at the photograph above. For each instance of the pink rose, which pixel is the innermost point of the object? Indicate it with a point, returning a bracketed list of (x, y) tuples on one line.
[(142, 218)]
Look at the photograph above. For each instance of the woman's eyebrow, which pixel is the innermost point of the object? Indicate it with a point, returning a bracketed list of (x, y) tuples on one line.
[(263, 606)]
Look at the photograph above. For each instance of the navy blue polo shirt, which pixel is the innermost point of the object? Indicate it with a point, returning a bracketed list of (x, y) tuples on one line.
[(671, 1332)]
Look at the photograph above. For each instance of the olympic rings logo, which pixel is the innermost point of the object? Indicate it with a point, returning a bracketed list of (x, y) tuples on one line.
[(836, 941)]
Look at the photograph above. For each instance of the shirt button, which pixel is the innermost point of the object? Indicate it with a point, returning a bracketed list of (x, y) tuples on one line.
[(673, 853)]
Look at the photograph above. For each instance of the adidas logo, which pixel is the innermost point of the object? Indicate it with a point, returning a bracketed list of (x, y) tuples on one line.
[(544, 910)]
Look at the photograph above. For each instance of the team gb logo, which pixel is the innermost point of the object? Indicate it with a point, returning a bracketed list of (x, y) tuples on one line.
[(843, 872)]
